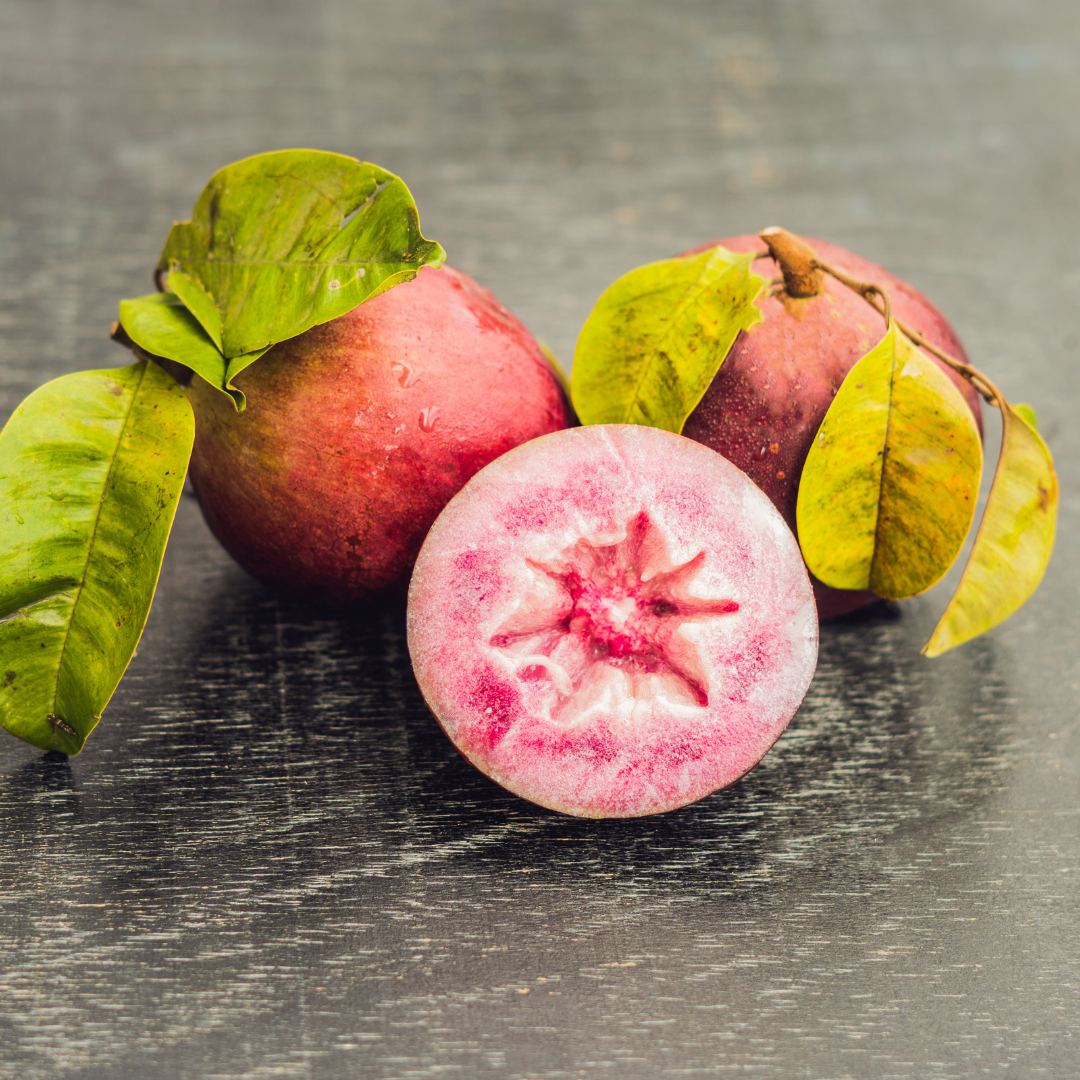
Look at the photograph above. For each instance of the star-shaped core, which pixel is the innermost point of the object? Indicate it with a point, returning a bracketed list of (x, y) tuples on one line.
[(601, 618)]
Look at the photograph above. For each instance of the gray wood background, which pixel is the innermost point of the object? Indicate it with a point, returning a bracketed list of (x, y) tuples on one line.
[(269, 862)]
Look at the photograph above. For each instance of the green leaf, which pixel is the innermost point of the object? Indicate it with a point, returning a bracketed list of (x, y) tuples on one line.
[(281, 242), (1014, 541), (890, 484), (161, 325), (193, 295), (91, 469), (658, 335)]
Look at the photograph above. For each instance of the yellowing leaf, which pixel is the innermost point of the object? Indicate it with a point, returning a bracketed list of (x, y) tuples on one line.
[(658, 335), (889, 488), (1014, 541)]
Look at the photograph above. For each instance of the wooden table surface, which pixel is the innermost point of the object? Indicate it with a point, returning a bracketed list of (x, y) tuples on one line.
[(269, 862)]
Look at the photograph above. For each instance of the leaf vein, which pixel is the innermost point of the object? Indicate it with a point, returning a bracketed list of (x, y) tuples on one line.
[(93, 537)]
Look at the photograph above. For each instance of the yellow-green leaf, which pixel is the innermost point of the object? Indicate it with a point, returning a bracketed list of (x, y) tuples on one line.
[(161, 325), (889, 487), (91, 470), (1014, 541), (281, 242), (658, 335)]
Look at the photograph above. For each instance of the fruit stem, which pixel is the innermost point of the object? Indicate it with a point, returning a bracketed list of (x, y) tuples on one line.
[(804, 276), (866, 290), (977, 379), (797, 262), (878, 299)]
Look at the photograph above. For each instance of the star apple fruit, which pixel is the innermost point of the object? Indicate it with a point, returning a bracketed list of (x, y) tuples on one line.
[(358, 432), (767, 401)]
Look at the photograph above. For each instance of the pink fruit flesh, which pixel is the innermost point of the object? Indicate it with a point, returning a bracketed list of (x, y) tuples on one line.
[(766, 403), (358, 432), (612, 621)]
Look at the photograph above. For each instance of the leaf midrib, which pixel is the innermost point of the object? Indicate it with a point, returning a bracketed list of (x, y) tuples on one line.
[(884, 459), (93, 538), (290, 262)]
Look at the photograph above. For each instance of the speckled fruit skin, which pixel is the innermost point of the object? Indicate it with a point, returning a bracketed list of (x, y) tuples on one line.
[(359, 431), (612, 621), (772, 392)]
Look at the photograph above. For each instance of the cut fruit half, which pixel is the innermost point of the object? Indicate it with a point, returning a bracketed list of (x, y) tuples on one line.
[(612, 621)]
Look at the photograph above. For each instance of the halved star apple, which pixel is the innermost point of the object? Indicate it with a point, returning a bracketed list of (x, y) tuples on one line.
[(612, 621)]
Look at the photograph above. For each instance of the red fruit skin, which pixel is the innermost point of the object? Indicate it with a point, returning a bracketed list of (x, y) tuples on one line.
[(767, 401), (359, 431), (612, 621)]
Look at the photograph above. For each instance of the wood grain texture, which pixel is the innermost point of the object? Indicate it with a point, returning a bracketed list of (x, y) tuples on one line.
[(269, 861)]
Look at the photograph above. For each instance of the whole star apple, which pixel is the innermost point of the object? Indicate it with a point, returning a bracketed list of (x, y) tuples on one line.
[(766, 403), (359, 431)]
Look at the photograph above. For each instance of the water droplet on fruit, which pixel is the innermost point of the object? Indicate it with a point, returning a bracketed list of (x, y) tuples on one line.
[(404, 374), (762, 452), (428, 417)]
